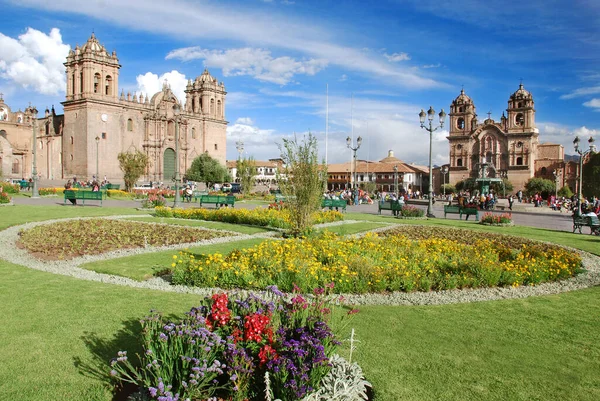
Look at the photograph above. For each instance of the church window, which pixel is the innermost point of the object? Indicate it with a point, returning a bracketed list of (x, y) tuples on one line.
[(519, 161), (71, 140), (219, 113), (108, 85), (212, 107), (129, 125), (544, 171), (96, 82), (519, 144), (104, 135), (459, 146), (20, 119), (193, 133), (519, 105), (461, 109), (73, 84), (81, 82), (458, 162), (520, 120), (488, 157), (15, 167), (460, 123), (47, 129), (193, 105), (216, 147)]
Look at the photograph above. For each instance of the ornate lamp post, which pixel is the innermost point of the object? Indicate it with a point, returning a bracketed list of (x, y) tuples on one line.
[(556, 174), (176, 112), (34, 174), (396, 180), (430, 115), (97, 143), (444, 172), (582, 154), (354, 149)]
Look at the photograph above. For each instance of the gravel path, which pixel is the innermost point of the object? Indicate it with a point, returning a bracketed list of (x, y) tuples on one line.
[(10, 253)]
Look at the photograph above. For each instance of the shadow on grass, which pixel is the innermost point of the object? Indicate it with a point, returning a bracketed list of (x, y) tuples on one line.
[(103, 350)]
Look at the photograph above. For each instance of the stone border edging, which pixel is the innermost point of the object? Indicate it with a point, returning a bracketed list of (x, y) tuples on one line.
[(8, 237)]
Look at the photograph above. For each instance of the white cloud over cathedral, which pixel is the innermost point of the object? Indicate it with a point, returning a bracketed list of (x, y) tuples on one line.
[(34, 61), (151, 83), (258, 63)]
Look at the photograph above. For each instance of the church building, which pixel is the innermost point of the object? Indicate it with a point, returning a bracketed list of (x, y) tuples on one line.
[(509, 148), (99, 123)]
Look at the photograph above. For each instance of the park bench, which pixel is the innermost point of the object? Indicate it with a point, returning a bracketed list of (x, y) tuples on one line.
[(281, 198), (334, 203), (84, 195), (218, 200), (467, 211), (392, 205), (111, 186), (197, 194), (24, 185), (586, 221)]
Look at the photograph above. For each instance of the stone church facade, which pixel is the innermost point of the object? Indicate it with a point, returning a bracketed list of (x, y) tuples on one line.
[(98, 124), (510, 147)]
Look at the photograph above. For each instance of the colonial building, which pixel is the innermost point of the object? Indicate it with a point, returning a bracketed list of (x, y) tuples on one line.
[(509, 148), (98, 124)]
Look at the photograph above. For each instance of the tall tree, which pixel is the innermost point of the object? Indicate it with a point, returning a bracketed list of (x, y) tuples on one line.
[(302, 180), (246, 171), (207, 170), (133, 165), (539, 185), (591, 176)]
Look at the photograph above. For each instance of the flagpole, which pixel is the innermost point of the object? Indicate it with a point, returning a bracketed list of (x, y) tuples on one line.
[(326, 119)]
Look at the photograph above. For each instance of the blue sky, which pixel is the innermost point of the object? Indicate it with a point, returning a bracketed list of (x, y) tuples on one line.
[(382, 61)]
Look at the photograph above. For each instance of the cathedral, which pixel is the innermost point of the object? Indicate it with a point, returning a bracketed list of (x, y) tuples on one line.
[(99, 123), (508, 148)]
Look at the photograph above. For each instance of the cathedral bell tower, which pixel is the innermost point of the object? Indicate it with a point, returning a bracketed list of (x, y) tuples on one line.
[(92, 72), (462, 115), (521, 114)]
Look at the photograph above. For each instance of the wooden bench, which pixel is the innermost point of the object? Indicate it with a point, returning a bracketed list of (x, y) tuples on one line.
[(218, 200), (197, 194), (83, 195), (587, 221), (467, 211), (281, 198), (334, 203), (392, 205)]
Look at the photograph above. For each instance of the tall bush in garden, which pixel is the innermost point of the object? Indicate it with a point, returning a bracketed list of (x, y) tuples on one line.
[(565, 191), (246, 171), (539, 185), (207, 170), (302, 180), (591, 176), (133, 165)]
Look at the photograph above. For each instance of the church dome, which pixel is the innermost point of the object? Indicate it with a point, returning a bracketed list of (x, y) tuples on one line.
[(521, 93), (93, 45), (205, 77), (462, 99)]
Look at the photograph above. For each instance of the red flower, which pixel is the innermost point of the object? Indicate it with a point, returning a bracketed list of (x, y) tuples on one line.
[(267, 352)]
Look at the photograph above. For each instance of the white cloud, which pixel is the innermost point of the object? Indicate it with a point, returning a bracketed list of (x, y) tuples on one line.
[(593, 90), (35, 61), (395, 57), (257, 63), (438, 65), (343, 78), (150, 83), (244, 121), (261, 144), (594, 103)]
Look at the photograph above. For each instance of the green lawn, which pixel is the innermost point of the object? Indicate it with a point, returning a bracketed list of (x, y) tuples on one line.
[(59, 332), (141, 267)]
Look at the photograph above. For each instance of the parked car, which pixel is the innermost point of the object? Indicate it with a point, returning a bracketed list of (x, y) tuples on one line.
[(146, 186), (236, 187)]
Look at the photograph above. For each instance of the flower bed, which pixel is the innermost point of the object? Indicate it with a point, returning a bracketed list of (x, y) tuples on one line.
[(257, 217), (411, 211), (153, 201), (406, 259), (10, 188), (4, 197), (69, 239), (225, 347), (491, 219)]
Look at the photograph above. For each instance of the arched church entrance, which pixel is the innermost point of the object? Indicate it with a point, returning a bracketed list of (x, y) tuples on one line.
[(169, 165)]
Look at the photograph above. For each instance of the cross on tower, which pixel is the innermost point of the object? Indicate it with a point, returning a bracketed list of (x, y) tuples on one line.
[(489, 113)]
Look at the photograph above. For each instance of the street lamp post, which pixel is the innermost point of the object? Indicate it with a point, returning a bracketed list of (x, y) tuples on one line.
[(444, 172), (582, 154), (176, 112), (430, 115), (354, 149), (396, 180), (556, 175), (97, 143), (34, 190)]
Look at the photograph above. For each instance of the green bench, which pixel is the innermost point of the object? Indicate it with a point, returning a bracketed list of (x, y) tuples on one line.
[(393, 205), (111, 186), (24, 185), (197, 194), (334, 203), (587, 221), (84, 195), (218, 200), (281, 198), (467, 211)]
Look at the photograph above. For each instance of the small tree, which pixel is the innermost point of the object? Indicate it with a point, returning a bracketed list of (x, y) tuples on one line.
[(448, 189), (133, 165), (207, 170), (302, 181), (539, 185), (246, 171), (565, 191), (591, 176)]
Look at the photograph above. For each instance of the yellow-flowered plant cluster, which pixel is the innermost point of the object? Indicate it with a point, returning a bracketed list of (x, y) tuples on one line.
[(377, 263), (256, 217)]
